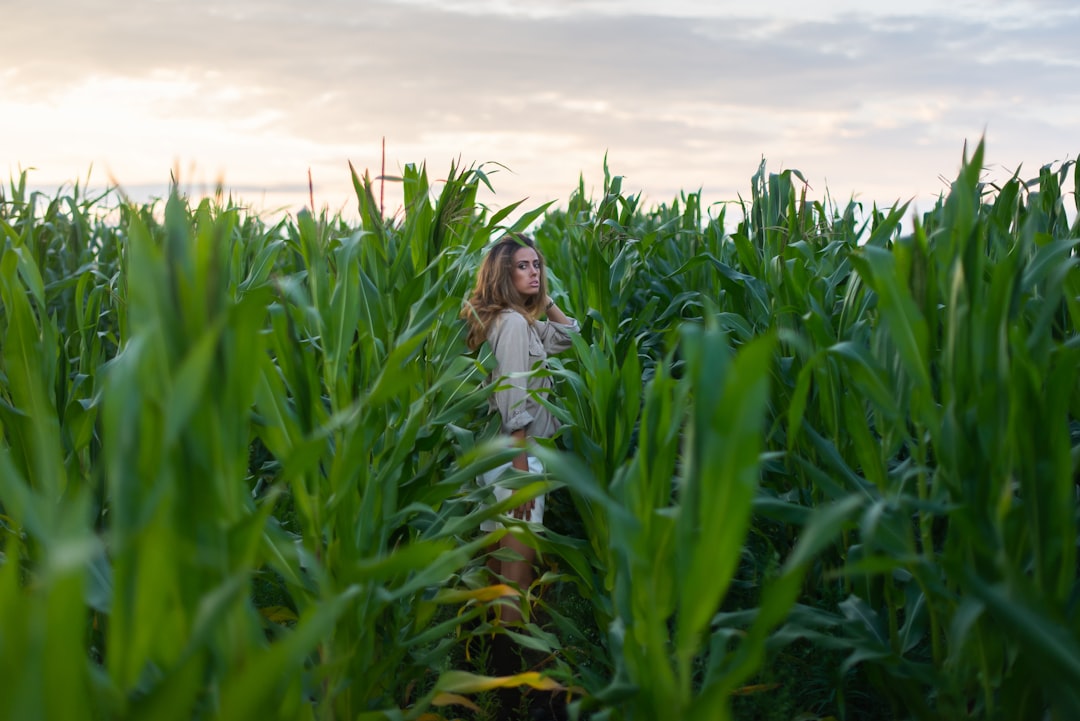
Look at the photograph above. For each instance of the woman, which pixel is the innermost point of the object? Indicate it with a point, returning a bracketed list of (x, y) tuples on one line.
[(504, 310)]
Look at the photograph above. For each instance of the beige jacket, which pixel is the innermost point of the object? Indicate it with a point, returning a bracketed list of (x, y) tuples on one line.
[(518, 347)]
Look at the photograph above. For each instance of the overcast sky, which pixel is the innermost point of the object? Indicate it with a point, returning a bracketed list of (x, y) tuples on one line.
[(680, 94)]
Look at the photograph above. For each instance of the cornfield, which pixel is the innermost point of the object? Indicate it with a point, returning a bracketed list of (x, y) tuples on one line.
[(812, 465)]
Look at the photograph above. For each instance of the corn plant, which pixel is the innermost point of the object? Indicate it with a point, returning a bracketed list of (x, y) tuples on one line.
[(237, 460), (950, 339), (195, 402)]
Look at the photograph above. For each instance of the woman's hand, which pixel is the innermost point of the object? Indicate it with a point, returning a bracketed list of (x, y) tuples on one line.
[(523, 511)]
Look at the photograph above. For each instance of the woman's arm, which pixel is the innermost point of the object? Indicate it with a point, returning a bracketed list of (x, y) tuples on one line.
[(521, 463), (555, 314), (509, 341), (556, 332)]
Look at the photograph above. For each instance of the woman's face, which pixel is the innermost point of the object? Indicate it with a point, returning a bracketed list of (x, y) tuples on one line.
[(526, 273)]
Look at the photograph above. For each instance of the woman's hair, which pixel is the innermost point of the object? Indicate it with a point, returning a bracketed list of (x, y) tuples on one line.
[(495, 292)]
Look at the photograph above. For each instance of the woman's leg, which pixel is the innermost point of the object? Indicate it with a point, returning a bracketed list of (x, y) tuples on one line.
[(518, 572)]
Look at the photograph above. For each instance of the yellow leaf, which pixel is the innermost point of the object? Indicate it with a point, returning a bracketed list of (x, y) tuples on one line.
[(487, 593), (278, 614), (447, 699), (464, 682)]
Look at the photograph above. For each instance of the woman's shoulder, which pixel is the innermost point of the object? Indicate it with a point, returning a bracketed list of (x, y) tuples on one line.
[(511, 318), (508, 322)]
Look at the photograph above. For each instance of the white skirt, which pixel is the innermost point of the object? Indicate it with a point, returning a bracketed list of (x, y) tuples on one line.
[(534, 516)]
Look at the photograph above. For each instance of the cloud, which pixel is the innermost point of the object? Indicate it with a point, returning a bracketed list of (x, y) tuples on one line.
[(680, 94), (779, 12)]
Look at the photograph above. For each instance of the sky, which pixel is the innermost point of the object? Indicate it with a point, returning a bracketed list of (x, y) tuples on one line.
[(872, 101)]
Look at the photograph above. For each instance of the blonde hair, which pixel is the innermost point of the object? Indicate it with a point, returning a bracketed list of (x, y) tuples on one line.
[(494, 291)]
